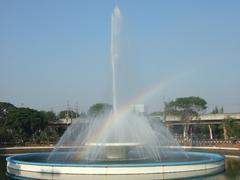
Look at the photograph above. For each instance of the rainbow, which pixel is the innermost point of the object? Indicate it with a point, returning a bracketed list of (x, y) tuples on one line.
[(124, 110)]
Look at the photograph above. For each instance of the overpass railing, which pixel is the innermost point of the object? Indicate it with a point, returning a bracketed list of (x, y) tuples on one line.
[(207, 142)]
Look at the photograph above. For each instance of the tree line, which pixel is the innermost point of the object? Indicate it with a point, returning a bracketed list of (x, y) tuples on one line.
[(21, 125)]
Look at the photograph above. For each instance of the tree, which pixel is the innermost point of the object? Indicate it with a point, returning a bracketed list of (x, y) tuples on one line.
[(5, 109), (216, 110), (221, 110), (67, 114), (231, 128), (49, 116), (99, 108), (186, 109), (5, 132), (7, 106), (24, 122), (18, 125), (201, 131)]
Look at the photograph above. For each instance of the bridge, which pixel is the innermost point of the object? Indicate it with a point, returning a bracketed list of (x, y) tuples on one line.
[(207, 119), (202, 119)]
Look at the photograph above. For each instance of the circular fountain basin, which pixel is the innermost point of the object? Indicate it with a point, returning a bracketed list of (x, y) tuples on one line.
[(35, 166)]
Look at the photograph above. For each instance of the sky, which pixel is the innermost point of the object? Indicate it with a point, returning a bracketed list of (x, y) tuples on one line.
[(54, 53)]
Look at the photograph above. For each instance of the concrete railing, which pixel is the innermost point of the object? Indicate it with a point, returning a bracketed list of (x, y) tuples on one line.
[(203, 117), (207, 142)]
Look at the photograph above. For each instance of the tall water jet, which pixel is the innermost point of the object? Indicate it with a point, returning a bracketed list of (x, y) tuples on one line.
[(115, 35)]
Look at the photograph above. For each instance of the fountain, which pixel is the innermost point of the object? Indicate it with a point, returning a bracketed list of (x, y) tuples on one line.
[(116, 144)]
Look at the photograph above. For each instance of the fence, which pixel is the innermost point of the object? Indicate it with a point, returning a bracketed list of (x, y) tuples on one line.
[(206, 142)]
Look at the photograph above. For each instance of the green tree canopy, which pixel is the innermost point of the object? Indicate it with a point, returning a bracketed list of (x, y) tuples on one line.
[(216, 110), (99, 108), (49, 116), (232, 128), (7, 106), (19, 125), (5, 111), (67, 114), (26, 121), (186, 108)]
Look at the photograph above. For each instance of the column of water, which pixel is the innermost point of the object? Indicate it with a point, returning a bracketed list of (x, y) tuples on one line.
[(115, 33)]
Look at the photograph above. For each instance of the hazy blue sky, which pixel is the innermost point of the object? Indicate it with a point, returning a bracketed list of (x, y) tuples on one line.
[(56, 51)]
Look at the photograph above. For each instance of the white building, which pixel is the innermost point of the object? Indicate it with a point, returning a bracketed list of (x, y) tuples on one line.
[(139, 108)]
